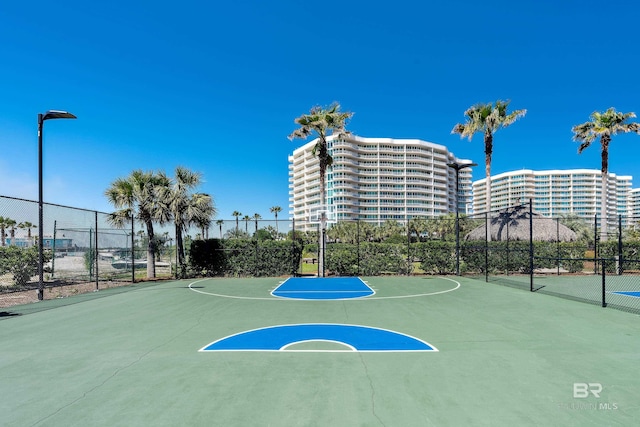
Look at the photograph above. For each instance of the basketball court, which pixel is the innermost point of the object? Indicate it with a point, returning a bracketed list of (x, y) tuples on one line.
[(410, 351)]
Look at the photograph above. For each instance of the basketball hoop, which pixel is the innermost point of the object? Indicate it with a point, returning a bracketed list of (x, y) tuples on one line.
[(315, 217)]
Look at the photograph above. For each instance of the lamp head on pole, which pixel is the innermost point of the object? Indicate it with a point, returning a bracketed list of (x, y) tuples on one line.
[(57, 114), (458, 166), (51, 114)]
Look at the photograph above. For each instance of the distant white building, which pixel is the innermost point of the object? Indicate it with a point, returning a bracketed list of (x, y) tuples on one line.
[(634, 204), (377, 179), (557, 192)]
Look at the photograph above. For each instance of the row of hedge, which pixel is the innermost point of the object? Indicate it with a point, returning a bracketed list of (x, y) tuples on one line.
[(236, 257), (439, 257)]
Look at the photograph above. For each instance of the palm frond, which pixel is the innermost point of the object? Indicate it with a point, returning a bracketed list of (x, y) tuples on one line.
[(322, 121), (120, 218), (603, 125), (483, 118)]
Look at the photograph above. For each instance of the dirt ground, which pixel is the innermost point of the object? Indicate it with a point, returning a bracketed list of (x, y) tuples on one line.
[(31, 296), (68, 266)]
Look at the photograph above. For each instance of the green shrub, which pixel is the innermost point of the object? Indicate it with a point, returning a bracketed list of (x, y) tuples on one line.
[(383, 258), (243, 257), (372, 259), (342, 259), (207, 257), (435, 256), (22, 263)]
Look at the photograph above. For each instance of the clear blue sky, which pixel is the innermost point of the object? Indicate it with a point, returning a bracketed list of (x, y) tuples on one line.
[(215, 86)]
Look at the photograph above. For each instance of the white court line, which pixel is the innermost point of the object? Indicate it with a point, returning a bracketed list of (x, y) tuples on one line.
[(274, 298), (291, 344)]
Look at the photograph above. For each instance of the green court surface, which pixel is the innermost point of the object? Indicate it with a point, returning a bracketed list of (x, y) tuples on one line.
[(584, 287), (505, 357)]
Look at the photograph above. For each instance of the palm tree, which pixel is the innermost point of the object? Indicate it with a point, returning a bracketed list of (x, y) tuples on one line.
[(256, 217), (487, 119), (3, 229), (205, 227), (275, 210), (21, 226), (11, 224), (604, 125), (235, 233), (237, 215), (321, 121), (417, 227), (219, 224), (184, 208), (246, 220), (578, 225), (367, 231), (136, 196), (344, 232), (203, 221), (28, 226), (444, 226), (390, 228)]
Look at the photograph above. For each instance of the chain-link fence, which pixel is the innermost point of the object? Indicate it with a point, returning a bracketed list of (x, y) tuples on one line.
[(514, 246), (247, 247), (565, 256), (79, 246)]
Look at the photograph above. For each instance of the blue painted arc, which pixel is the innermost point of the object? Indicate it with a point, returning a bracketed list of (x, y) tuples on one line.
[(361, 338)]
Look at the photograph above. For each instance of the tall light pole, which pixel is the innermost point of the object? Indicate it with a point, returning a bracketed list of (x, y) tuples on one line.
[(49, 115), (457, 167)]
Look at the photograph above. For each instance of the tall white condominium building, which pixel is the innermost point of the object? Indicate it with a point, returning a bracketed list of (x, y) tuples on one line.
[(377, 179), (634, 205), (556, 192)]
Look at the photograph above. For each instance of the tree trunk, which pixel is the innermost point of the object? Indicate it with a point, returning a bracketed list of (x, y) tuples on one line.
[(604, 142), (151, 262), (488, 150), (180, 268), (603, 206), (323, 224)]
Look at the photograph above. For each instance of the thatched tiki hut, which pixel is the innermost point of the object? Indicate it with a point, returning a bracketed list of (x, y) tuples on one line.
[(513, 224)]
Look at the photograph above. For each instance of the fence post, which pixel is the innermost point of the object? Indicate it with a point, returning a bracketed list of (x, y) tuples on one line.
[(508, 264), (486, 246), (358, 243), (531, 245), (595, 244), (324, 251), (96, 254), (133, 252), (294, 267), (256, 259), (558, 244), (409, 260), (604, 275), (53, 247), (176, 255), (619, 266), (90, 254)]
